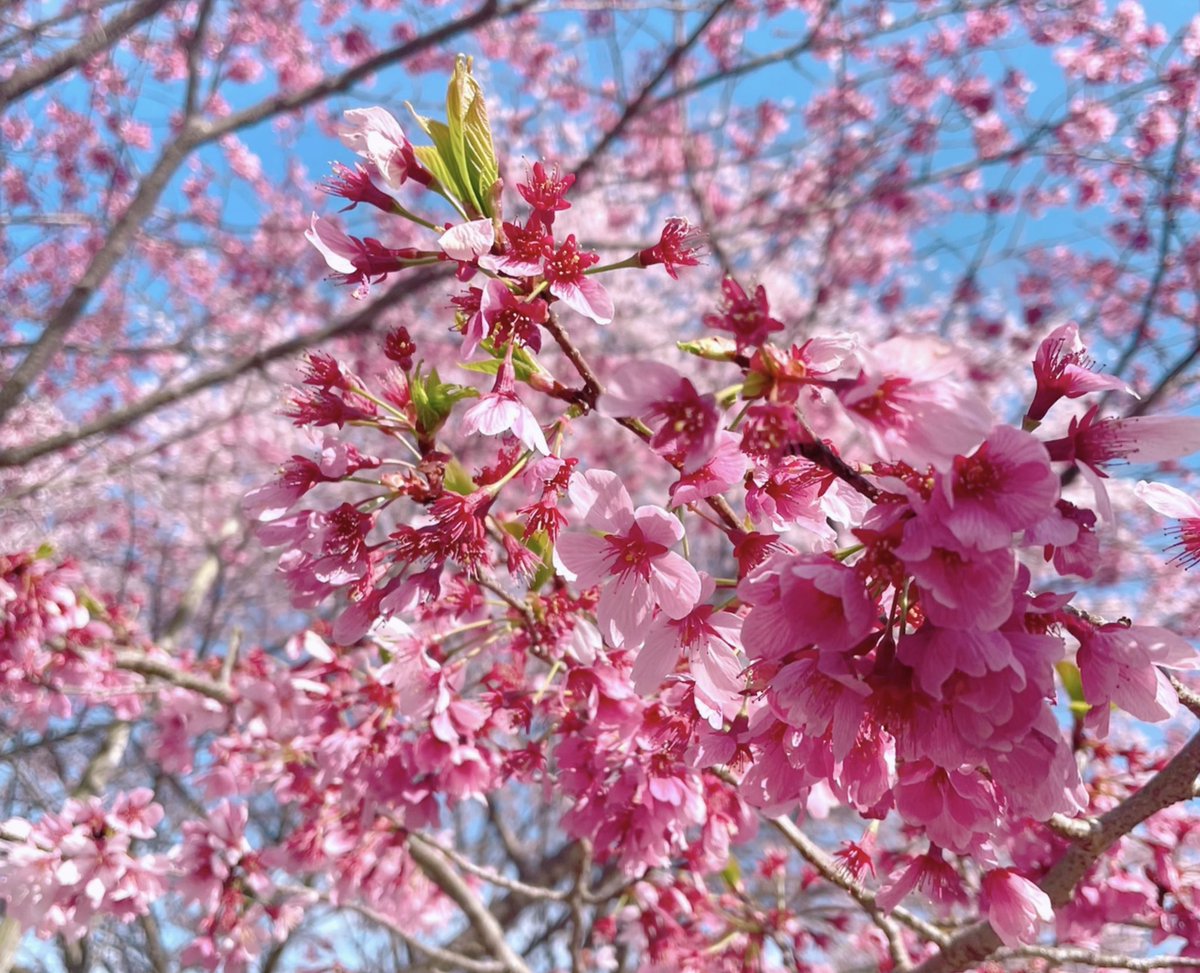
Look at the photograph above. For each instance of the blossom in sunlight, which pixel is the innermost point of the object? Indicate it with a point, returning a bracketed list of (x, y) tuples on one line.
[(630, 558)]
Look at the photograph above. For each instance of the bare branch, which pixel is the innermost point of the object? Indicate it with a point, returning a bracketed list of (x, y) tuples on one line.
[(56, 65)]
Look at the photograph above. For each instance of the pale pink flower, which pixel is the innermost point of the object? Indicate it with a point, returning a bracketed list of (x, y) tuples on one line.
[(353, 261), (468, 241), (1014, 906), (374, 134), (1064, 370), (910, 406), (685, 422), (501, 411), (1093, 443), (930, 873), (1119, 664), (1173, 502), (722, 470), (708, 640), (630, 557)]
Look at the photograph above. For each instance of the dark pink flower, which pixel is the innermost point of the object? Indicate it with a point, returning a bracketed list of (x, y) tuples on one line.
[(509, 317), (545, 190), (356, 186), (961, 588), (525, 248), (1004, 486), (1064, 370), (1014, 906), (680, 245), (565, 272), (800, 600), (747, 318), (956, 809), (631, 559)]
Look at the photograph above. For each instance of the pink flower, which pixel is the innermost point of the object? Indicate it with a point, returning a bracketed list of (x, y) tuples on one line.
[(908, 403), (501, 411), (631, 558), (1006, 485), (1014, 905), (524, 250), (356, 185), (1094, 443), (364, 262), (1172, 502), (722, 470), (545, 190), (747, 318), (708, 639), (956, 809), (800, 600), (930, 873), (1064, 370), (374, 134), (510, 318), (680, 245), (1119, 664), (960, 587), (565, 272), (685, 422)]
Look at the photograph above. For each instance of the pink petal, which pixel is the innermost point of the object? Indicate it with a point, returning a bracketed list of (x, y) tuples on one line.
[(675, 584), (588, 297), (468, 241), (602, 500), (1167, 500), (332, 243)]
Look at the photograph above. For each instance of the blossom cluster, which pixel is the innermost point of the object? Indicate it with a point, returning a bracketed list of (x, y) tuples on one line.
[(835, 580)]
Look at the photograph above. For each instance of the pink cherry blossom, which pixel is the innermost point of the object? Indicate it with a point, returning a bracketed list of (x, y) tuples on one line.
[(374, 134), (630, 558), (501, 411), (1004, 486), (683, 421), (1014, 906), (1063, 369), (565, 271), (1172, 502), (804, 600)]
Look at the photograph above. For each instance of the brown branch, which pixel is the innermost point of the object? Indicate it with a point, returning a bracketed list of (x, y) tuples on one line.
[(42, 72), (193, 135), (437, 869), (640, 100), (131, 660), (1172, 784), (361, 321)]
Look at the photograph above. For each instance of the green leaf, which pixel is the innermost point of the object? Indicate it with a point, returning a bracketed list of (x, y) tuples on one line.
[(1072, 682), (434, 400), (524, 364), (457, 479)]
